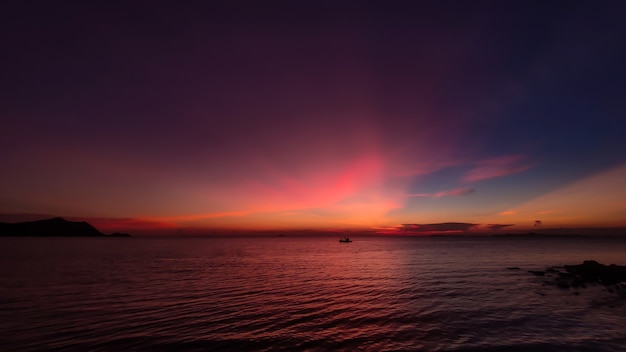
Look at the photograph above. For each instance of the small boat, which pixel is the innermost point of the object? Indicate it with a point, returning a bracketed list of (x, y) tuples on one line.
[(345, 240)]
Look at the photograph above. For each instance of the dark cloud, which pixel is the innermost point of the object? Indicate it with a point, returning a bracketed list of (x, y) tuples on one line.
[(496, 227), (446, 227)]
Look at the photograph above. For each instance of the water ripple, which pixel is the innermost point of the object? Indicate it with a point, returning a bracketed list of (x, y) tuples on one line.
[(307, 294)]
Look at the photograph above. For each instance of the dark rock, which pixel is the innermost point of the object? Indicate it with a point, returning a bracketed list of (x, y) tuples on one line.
[(566, 275), (592, 271), (578, 276), (513, 268)]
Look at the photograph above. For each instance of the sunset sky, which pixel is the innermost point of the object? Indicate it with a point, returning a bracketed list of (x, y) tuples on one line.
[(256, 115)]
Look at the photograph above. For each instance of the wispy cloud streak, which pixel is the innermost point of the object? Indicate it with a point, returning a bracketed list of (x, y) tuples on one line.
[(497, 167), (450, 193), (496, 227)]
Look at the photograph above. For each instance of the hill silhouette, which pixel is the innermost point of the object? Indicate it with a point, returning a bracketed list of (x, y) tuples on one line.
[(52, 228)]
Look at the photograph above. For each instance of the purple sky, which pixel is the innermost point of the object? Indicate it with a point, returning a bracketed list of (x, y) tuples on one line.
[(314, 114)]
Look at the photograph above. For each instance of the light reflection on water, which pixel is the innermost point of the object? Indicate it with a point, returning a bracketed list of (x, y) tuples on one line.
[(302, 294)]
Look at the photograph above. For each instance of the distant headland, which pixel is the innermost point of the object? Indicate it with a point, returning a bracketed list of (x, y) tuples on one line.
[(55, 227)]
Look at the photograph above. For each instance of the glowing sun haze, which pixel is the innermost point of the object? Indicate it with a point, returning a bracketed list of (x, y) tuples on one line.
[(321, 115)]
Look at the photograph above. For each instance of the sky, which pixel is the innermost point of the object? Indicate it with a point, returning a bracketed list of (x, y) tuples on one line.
[(386, 116)]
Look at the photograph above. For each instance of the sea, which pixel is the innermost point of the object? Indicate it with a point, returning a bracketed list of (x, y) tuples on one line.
[(304, 294)]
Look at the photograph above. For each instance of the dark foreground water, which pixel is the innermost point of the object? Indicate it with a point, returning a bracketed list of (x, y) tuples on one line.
[(313, 294)]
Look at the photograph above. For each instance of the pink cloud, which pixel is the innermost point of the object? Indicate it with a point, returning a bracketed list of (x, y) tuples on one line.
[(419, 195), (450, 193), (287, 190), (455, 192), (497, 167)]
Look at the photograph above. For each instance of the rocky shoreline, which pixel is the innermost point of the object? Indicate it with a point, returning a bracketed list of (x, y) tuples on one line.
[(56, 227), (590, 272)]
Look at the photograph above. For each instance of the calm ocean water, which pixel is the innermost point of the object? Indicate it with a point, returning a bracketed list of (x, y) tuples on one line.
[(303, 294)]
